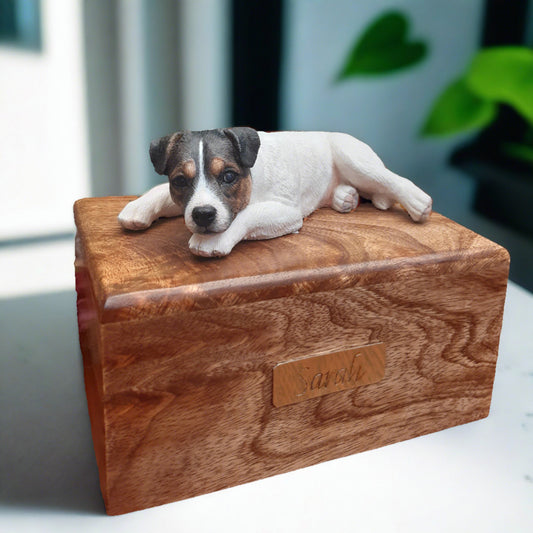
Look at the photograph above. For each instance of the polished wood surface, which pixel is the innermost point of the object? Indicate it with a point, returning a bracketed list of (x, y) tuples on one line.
[(179, 352), (153, 271)]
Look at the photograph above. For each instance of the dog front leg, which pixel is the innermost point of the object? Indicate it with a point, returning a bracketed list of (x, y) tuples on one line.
[(264, 220), (139, 214)]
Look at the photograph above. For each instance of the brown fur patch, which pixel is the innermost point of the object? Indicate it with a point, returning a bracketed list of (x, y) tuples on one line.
[(185, 168), (189, 169), (240, 194), (216, 166)]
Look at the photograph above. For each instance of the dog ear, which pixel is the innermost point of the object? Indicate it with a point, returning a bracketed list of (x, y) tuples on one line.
[(246, 143), (160, 149)]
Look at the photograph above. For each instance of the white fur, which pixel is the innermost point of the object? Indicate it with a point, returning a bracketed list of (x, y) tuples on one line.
[(205, 195), (294, 174), (139, 214)]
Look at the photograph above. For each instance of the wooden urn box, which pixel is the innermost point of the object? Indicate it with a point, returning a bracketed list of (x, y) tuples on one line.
[(362, 330)]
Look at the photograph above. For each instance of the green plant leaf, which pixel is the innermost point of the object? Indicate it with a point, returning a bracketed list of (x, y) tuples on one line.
[(504, 74), (383, 48), (519, 151), (458, 110)]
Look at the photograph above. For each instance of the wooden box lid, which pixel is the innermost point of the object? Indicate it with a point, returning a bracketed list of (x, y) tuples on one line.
[(153, 272)]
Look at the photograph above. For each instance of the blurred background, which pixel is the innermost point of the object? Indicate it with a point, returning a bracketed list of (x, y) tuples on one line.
[(86, 84)]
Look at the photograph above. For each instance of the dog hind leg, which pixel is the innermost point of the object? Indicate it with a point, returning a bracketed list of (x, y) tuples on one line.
[(382, 201), (413, 199), (359, 166)]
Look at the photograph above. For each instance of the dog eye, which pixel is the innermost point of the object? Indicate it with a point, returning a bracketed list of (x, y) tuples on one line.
[(229, 176), (179, 181)]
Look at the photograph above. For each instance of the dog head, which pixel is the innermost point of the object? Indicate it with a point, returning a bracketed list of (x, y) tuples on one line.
[(209, 173)]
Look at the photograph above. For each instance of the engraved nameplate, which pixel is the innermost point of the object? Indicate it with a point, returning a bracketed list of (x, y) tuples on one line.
[(317, 375)]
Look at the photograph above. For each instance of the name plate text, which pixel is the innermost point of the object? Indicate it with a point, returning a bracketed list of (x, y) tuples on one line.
[(309, 377)]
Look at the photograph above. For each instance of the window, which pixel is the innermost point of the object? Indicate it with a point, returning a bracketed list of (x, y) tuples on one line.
[(20, 23)]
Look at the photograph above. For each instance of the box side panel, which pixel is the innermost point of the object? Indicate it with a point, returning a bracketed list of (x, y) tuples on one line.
[(188, 398), (90, 345)]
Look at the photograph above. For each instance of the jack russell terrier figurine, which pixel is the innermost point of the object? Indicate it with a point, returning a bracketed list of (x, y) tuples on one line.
[(236, 184)]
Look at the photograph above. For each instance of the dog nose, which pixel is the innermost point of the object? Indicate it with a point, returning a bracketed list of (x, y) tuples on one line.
[(204, 215)]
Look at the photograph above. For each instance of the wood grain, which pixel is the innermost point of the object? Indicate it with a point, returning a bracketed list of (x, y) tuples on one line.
[(179, 352), (154, 272)]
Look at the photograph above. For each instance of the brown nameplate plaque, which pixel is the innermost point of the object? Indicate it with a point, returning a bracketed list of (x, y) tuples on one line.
[(317, 375)]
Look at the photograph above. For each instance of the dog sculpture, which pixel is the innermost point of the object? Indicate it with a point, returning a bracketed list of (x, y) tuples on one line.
[(236, 184)]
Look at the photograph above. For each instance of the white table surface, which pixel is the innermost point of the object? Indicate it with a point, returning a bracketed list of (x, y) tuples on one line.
[(476, 477)]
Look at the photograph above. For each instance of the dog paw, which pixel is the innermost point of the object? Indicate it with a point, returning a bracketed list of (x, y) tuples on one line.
[(135, 217), (381, 201), (217, 245), (345, 199), (419, 206)]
